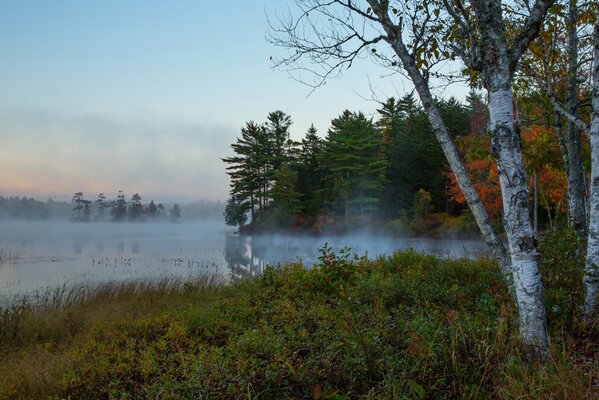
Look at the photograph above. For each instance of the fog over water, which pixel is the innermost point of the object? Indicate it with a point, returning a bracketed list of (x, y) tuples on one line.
[(54, 254)]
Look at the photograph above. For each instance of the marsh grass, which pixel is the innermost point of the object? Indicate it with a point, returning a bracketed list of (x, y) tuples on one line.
[(8, 256), (409, 326)]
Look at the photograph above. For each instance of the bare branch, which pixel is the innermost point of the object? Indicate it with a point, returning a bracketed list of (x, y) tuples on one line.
[(529, 32), (557, 106)]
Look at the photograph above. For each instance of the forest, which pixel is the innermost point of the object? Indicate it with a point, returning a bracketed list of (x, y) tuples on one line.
[(388, 170)]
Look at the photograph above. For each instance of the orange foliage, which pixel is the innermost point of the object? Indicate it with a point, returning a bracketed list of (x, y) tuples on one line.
[(541, 156), (482, 171)]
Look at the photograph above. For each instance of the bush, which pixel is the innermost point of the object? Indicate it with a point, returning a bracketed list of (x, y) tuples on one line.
[(401, 327), (562, 269)]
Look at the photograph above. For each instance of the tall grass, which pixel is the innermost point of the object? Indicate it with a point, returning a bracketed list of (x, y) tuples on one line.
[(58, 314), (7, 256)]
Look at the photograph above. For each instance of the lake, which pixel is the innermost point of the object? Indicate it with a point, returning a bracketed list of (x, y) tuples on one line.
[(53, 254)]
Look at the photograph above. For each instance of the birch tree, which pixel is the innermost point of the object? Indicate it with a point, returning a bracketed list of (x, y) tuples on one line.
[(576, 178), (559, 63), (545, 76), (328, 35), (591, 276)]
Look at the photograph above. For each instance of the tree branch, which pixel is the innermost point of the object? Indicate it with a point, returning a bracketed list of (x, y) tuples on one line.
[(529, 32)]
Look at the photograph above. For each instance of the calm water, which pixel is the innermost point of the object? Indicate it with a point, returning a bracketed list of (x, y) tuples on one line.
[(59, 254)]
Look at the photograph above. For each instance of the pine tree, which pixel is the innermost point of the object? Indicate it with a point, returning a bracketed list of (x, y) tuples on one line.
[(310, 173), (286, 199), (119, 208), (356, 164), (101, 206), (136, 209)]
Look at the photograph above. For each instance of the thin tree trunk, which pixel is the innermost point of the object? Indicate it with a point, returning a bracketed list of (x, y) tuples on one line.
[(551, 224), (561, 140), (575, 176), (536, 205), (591, 276)]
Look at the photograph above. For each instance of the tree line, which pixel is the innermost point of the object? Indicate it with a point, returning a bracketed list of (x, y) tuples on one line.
[(29, 208), (119, 209), (388, 168)]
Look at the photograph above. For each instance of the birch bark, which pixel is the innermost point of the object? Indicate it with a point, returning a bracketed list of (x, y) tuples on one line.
[(575, 173), (591, 276), (498, 66)]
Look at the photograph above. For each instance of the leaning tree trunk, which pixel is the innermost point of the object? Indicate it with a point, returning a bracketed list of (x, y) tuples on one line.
[(575, 172), (505, 146), (481, 216), (591, 276)]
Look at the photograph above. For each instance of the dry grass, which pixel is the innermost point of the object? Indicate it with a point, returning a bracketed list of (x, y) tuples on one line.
[(8, 256), (38, 335)]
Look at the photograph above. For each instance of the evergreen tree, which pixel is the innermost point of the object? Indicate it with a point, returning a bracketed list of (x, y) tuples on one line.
[(236, 212), (286, 199), (310, 173), (101, 206), (248, 169), (161, 210), (152, 210), (136, 209), (77, 210), (356, 164), (175, 213), (119, 208), (280, 146)]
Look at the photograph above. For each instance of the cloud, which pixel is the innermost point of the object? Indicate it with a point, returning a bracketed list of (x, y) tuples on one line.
[(54, 152)]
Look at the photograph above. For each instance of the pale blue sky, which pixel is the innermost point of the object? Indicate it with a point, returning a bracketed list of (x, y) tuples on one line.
[(145, 96)]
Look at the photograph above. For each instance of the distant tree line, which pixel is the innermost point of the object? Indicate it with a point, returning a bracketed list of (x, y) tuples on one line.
[(119, 209), (29, 208)]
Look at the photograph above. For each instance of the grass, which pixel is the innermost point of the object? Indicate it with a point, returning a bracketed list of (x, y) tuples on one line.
[(408, 326), (7, 256)]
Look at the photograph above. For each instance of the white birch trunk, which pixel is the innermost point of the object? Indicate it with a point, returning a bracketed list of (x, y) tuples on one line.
[(505, 145), (575, 174), (591, 276)]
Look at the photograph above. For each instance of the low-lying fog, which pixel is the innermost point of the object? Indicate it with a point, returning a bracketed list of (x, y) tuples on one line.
[(40, 256)]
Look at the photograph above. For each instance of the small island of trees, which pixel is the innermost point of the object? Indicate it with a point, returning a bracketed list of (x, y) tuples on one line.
[(119, 210)]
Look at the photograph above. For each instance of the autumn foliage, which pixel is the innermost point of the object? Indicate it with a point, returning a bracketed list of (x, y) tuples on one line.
[(542, 160)]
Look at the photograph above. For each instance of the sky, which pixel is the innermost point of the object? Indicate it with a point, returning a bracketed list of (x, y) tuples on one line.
[(146, 96)]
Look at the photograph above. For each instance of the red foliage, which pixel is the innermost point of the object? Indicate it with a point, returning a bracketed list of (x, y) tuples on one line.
[(541, 156)]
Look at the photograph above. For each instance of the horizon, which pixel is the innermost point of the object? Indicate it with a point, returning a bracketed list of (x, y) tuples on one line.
[(148, 96)]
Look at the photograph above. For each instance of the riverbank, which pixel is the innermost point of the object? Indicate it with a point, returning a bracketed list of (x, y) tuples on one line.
[(405, 326), (430, 225)]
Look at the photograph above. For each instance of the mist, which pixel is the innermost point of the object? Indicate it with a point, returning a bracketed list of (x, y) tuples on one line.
[(55, 254), (168, 158)]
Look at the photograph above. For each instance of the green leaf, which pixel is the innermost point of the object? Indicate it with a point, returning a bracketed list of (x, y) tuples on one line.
[(416, 389)]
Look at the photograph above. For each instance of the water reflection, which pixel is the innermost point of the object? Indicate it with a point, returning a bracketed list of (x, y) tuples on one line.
[(57, 254), (241, 258)]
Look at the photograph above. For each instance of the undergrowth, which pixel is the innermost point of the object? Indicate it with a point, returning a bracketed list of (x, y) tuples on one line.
[(409, 326)]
